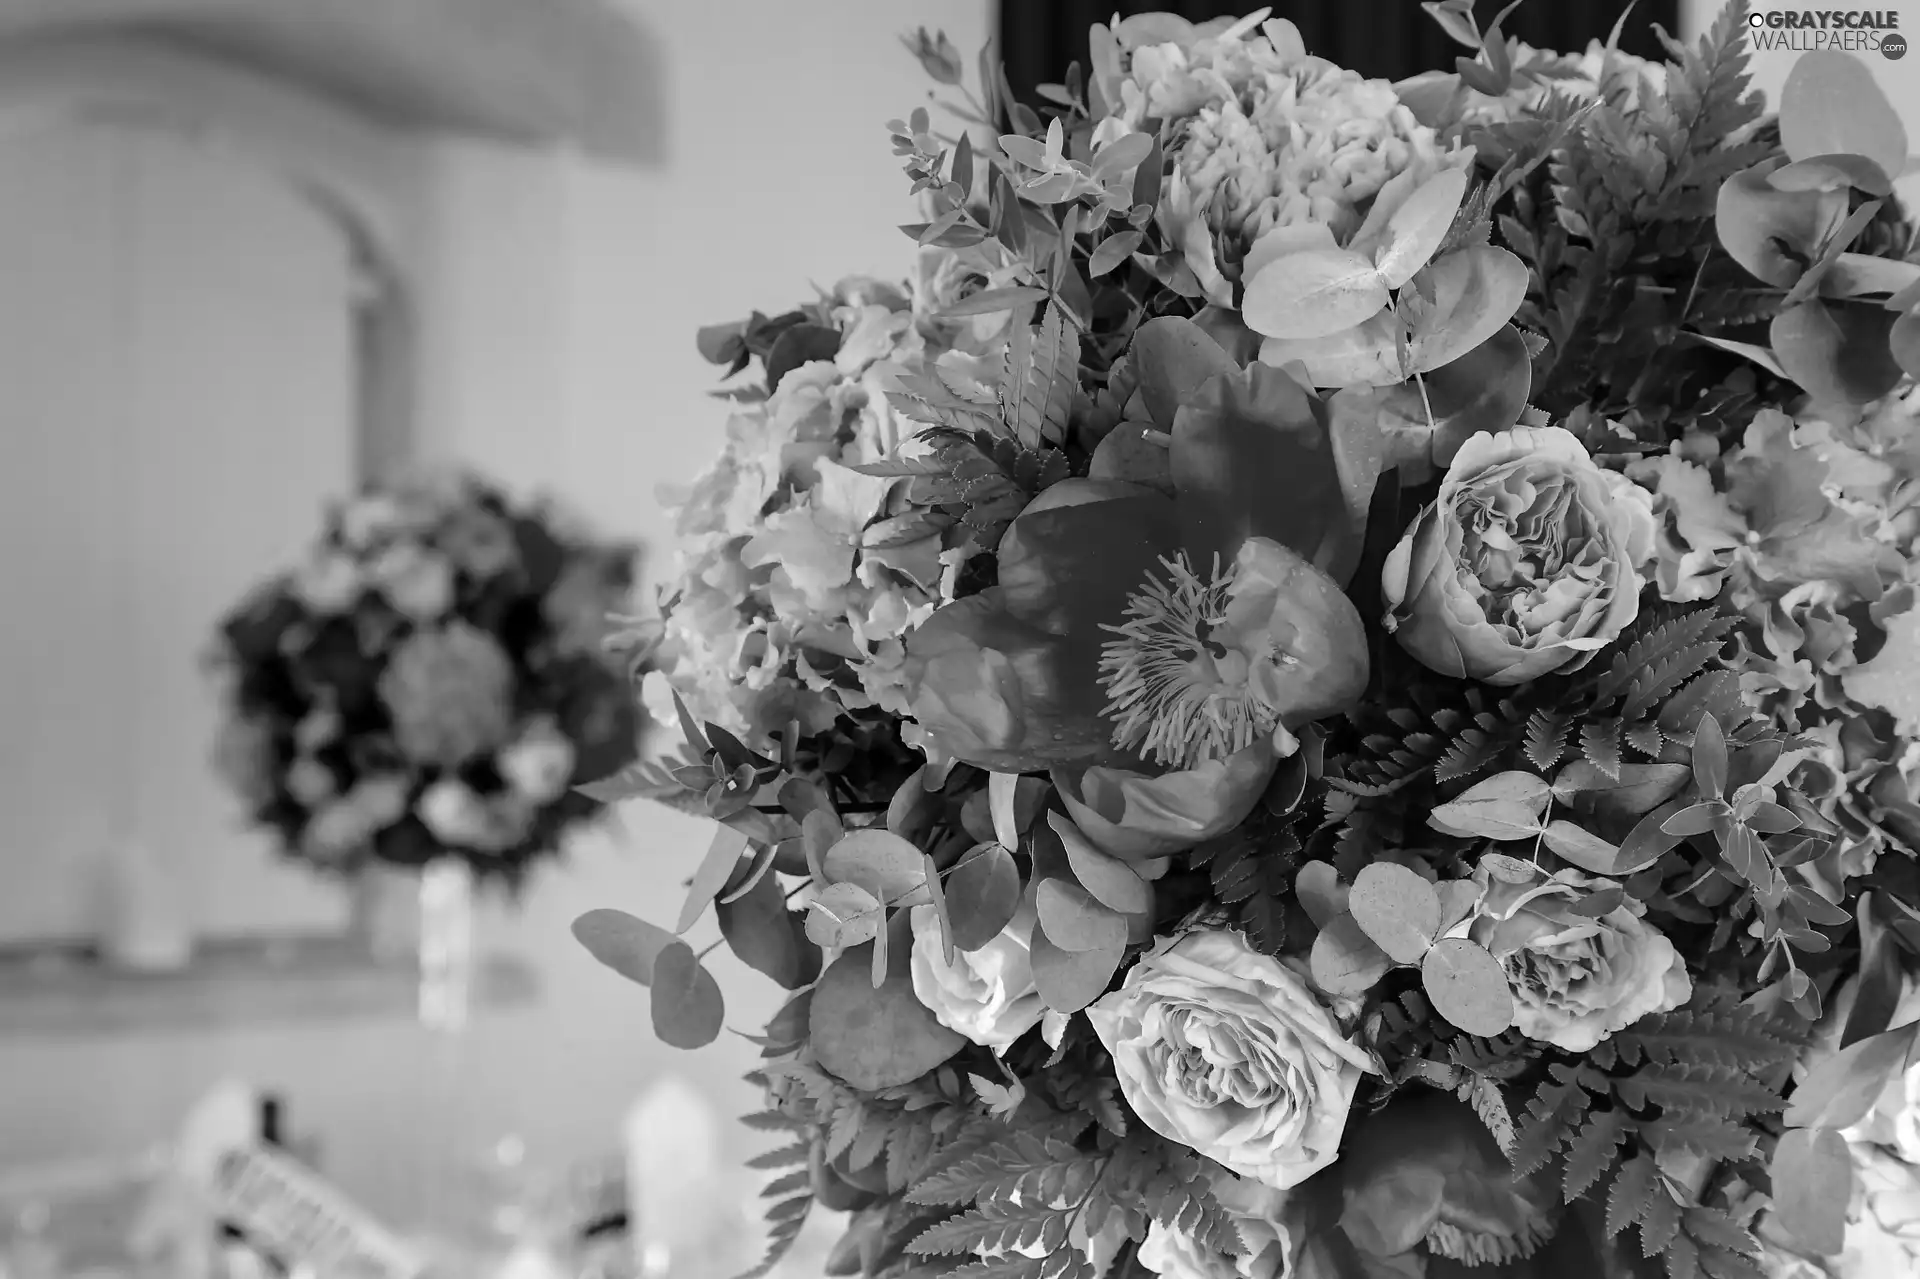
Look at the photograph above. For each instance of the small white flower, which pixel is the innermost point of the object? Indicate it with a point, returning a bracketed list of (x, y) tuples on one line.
[(416, 581), (330, 582), (317, 729), (539, 764), (309, 781), (452, 812)]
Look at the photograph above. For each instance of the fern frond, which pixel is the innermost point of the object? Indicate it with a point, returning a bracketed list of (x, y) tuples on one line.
[(1490, 1104), (994, 1228), (1738, 1039), (1697, 1089), (1475, 1248), (1592, 1152), (1600, 744), (1547, 738), (785, 1219), (1039, 379), (1656, 649), (1637, 1180), (1552, 1118)]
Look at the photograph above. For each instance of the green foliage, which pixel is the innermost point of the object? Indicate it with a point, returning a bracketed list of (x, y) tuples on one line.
[(1251, 869)]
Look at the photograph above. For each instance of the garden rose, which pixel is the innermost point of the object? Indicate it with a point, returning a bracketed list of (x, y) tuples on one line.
[(1528, 562), (1260, 1213), (1576, 978), (1228, 1051), (988, 994)]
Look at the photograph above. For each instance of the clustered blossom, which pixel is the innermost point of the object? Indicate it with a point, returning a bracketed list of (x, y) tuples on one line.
[(788, 602), (1262, 134)]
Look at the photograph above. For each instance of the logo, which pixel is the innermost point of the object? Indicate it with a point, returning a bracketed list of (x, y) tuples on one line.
[(1851, 30)]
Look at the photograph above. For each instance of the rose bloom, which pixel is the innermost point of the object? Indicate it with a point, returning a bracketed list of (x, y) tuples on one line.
[(987, 994), (1228, 1051), (1528, 562), (1262, 1216), (1575, 978)]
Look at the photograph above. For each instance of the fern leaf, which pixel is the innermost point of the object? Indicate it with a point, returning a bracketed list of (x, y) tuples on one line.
[(1699, 1088), (785, 1220), (1490, 1104), (1600, 743), (992, 1229), (1547, 738), (1592, 1152), (1725, 1251), (1038, 382), (1631, 1187), (1470, 752), (784, 1157), (1064, 1264), (1646, 738), (1552, 1115), (999, 1172), (1737, 1038), (1659, 1219), (1707, 1136), (1656, 649)]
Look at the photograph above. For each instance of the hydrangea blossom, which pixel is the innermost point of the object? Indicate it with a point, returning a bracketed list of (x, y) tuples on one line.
[(785, 604)]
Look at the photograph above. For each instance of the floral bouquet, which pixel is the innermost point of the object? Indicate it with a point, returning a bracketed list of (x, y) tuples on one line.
[(431, 682), (1334, 690)]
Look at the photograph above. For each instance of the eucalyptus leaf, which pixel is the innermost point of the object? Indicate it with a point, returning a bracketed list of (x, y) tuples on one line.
[(1344, 960), (881, 862), (688, 1010), (1398, 910), (1111, 881), (1831, 105), (1458, 897), (1837, 351), (940, 915), (1321, 893), (1504, 807), (1415, 230), (715, 869), (1467, 987), (1173, 358), (1458, 302), (1074, 920), (1314, 294), (1840, 1091), (626, 944), (994, 301), (1812, 1174), (768, 937), (1070, 980), (752, 873), (871, 1037), (843, 914), (983, 893)]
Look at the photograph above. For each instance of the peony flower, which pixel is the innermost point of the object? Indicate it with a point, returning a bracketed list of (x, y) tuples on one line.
[(539, 763), (1261, 134), (1267, 1225), (1528, 561), (987, 994), (1228, 1051), (416, 581), (1139, 816), (1152, 631), (449, 692), (1576, 977)]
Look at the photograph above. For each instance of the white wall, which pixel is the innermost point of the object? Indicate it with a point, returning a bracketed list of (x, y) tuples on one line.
[(562, 302)]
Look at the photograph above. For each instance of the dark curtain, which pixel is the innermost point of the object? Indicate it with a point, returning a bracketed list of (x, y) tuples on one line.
[(1389, 39)]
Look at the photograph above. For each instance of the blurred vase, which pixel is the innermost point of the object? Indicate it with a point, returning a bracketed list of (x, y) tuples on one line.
[(386, 912), (143, 923)]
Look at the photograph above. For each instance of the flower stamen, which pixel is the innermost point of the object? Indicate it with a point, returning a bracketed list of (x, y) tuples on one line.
[(1180, 682)]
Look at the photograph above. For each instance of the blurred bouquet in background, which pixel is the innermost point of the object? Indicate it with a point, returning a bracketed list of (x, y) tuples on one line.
[(430, 682)]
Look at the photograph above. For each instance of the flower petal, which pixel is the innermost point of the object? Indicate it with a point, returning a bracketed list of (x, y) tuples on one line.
[(1136, 815), (1241, 438)]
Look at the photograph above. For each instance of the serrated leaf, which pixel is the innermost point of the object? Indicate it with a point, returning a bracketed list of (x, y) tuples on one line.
[(1600, 743), (1632, 1187), (1592, 1152)]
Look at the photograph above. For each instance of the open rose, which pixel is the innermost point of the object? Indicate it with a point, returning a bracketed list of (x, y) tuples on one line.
[(1228, 1051), (1528, 561), (1262, 1215), (987, 994), (1578, 973)]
